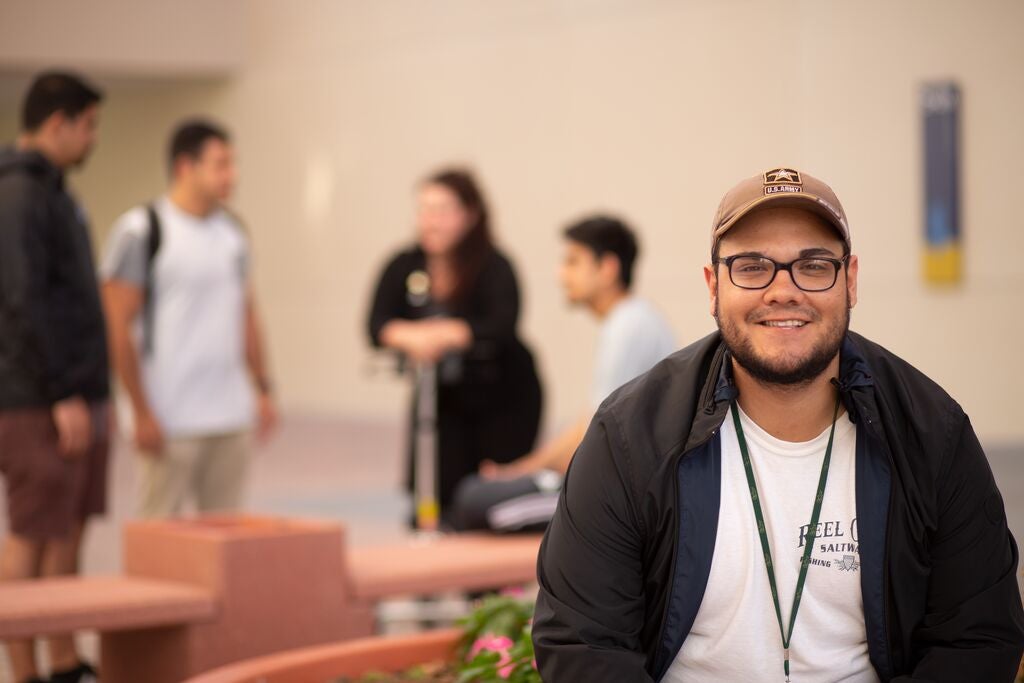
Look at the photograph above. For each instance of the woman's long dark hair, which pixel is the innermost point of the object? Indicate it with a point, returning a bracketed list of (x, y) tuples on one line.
[(472, 251)]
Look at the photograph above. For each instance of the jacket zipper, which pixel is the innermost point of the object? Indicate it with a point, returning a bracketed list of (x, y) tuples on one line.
[(675, 545), (885, 566), (708, 408), (885, 550), (672, 570)]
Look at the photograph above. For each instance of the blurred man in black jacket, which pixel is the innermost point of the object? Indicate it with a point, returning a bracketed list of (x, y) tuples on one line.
[(53, 358)]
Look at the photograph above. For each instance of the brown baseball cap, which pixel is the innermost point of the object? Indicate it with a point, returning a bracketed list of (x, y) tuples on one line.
[(775, 188)]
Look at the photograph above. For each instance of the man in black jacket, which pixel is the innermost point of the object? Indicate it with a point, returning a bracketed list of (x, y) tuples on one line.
[(53, 358), (782, 498)]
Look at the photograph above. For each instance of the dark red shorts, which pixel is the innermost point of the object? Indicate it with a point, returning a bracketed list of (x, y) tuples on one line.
[(49, 493)]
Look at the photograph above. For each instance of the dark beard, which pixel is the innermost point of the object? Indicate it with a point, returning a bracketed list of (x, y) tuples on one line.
[(766, 372)]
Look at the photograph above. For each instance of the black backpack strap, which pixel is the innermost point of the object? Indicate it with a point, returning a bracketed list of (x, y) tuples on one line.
[(152, 246)]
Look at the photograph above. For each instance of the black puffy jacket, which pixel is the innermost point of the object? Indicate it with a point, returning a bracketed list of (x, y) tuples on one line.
[(625, 560), (52, 334)]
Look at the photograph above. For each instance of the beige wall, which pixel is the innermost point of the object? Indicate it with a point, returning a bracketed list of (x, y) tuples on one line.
[(126, 37), (649, 109)]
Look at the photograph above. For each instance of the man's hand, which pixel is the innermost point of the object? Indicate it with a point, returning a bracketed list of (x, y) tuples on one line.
[(513, 470), (266, 416), (74, 426), (149, 437), (490, 470)]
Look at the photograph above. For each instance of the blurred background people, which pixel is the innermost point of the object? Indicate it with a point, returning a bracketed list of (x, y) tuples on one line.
[(597, 274), (177, 272), (452, 299), (53, 356), (558, 106)]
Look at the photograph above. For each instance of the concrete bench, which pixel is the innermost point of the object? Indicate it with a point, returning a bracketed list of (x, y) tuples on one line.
[(104, 603), (468, 562), (201, 593)]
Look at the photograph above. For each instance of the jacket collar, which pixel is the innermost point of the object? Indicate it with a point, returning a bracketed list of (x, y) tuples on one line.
[(33, 162), (855, 383), (719, 390)]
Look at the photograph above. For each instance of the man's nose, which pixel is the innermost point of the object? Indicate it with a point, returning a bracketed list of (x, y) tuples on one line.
[(782, 289)]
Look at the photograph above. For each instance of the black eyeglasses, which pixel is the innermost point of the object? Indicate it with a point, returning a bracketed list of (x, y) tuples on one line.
[(814, 274)]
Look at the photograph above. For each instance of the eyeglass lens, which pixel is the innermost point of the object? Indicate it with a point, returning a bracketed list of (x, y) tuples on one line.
[(756, 272)]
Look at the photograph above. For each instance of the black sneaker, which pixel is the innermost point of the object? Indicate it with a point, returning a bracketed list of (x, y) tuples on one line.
[(83, 673)]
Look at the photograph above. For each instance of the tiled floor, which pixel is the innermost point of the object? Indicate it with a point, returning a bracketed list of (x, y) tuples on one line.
[(351, 471)]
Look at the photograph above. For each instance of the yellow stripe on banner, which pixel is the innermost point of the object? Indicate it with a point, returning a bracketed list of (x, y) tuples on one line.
[(942, 264)]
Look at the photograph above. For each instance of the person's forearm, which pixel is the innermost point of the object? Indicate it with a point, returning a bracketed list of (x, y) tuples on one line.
[(255, 354), (426, 338), (34, 332), (24, 262), (453, 334), (395, 334), (556, 453), (565, 445), (122, 304), (126, 364)]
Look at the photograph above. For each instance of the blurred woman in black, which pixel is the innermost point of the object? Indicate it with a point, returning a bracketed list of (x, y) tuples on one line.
[(452, 299)]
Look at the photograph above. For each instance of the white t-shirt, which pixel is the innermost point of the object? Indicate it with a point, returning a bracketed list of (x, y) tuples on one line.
[(195, 376), (633, 337), (735, 636)]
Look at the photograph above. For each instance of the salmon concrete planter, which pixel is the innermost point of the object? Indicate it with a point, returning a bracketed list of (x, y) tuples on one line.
[(325, 663), (277, 584)]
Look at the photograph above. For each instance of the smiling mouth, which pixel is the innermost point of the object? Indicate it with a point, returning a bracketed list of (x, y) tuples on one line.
[(783, 323)]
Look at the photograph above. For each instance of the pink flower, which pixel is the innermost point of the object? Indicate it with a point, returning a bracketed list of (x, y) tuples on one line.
[(499, 644), (492, 643), (513, 592)]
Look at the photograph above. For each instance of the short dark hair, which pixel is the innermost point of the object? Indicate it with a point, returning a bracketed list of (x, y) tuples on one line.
[(190, 136), (53, 92), (608, 235)]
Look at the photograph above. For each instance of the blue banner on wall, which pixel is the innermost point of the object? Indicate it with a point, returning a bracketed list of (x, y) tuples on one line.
[(940, 104)]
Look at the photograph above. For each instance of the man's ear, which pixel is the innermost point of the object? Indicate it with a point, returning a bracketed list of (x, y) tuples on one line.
[(610, 268), (182, 162), (53, 122), (711, 279), (852, 268)]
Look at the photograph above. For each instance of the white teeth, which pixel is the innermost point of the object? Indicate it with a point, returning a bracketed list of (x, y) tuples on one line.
[(784, 323)]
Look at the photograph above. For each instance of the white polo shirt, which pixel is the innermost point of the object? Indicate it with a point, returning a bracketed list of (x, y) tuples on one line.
[(195, 375)]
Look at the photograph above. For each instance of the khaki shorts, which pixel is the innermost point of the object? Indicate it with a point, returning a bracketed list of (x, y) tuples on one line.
[(209, 471), (48, 494)]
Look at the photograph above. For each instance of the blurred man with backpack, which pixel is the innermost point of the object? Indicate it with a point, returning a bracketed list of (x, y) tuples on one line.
[(185, 337)]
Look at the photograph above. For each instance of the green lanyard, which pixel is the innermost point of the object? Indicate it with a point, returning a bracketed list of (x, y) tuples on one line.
[(766, 549)]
